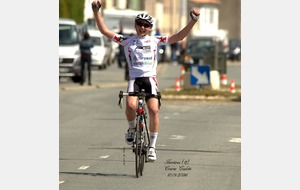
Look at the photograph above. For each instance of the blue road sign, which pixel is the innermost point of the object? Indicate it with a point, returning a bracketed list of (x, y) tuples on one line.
[(200, 75)]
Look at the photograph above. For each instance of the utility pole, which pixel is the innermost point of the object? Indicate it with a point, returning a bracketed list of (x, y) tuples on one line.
[(216, 53)]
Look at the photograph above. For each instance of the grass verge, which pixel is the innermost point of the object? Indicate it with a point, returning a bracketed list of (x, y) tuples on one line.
[(204, 93)]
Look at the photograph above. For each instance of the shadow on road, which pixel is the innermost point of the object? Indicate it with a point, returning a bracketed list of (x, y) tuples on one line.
[(98, 174), (162, 149)]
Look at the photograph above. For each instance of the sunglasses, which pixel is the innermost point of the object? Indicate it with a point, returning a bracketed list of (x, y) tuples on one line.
[(146, 25)]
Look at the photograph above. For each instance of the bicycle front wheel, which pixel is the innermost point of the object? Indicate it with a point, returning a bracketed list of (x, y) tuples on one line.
[(138, 150), (142, 161), (137, 162)]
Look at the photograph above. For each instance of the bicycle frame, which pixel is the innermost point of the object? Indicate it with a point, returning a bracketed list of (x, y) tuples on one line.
[(142, 136), (142, 139)]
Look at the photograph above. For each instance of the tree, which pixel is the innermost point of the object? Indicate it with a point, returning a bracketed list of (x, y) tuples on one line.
[(73, 9)]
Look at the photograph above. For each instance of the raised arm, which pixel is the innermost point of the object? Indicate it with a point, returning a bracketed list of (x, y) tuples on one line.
[(96, 4), (185, 31)]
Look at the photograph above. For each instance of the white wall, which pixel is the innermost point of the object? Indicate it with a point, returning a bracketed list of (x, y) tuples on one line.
[(87, 13)]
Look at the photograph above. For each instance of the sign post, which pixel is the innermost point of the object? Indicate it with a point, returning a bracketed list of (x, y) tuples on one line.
[(200, 75)]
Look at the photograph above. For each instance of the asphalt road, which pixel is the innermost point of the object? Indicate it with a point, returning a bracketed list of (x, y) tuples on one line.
[(199, 143), (115, 77)]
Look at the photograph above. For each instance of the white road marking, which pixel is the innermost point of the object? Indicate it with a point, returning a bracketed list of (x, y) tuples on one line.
[(166, 117), (177, 137), (162, 145), (103, 157), (60, 182), (83, 167), (237, 140)]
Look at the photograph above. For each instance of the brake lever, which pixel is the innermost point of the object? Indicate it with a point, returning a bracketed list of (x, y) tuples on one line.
[(120, 104)]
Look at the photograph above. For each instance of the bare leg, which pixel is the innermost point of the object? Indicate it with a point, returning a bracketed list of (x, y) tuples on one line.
[(131, 104), (153, 112), (154, 121)]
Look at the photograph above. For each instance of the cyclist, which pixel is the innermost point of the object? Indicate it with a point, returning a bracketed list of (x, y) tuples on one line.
[(141, 55)]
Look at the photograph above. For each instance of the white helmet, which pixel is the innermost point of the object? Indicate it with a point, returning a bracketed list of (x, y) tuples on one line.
[(146, 17)]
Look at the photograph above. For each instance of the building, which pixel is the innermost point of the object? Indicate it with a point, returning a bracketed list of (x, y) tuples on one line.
[(230, 18), (218, 17)]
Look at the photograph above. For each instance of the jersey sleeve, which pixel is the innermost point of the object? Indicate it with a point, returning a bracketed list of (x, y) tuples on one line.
[(120, 39), (162, 40)]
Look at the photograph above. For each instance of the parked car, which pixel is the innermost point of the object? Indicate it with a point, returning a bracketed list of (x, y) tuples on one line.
[(196, 47), (69, 53), (234, 49), (110, 51), (200, 51), (100, 57)]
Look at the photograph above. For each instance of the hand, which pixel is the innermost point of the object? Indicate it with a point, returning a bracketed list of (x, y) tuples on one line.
[(96, 4), (195, 14)]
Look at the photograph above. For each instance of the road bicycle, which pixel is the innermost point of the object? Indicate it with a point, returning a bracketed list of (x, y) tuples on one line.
[(141, 140)]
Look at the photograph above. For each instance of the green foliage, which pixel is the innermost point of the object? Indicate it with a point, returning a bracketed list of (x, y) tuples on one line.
[(73, 9)]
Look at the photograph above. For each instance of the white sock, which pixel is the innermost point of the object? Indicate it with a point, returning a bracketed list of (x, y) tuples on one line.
[(153, 137), (131, 124)]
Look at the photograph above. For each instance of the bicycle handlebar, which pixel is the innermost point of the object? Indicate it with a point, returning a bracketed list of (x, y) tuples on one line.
[(141, 94)]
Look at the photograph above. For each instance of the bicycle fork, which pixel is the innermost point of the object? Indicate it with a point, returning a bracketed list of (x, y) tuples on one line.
[(140, 129)]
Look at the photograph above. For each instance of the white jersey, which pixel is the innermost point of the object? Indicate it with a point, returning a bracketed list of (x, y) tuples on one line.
[(141, 53)]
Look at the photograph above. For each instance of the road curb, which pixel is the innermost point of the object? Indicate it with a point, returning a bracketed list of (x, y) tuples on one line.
[(92, 87), (201, 97)]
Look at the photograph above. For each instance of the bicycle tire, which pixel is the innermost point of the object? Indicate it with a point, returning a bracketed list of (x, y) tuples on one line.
[(137, 163), (142, 161), (144, 145), (143, 152), (146, 138), (137, 148)]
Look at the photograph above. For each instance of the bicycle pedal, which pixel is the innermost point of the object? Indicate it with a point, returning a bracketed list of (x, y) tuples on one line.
[(144, 151)]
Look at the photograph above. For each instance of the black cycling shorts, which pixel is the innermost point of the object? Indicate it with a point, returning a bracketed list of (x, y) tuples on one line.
[(150, 85)]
